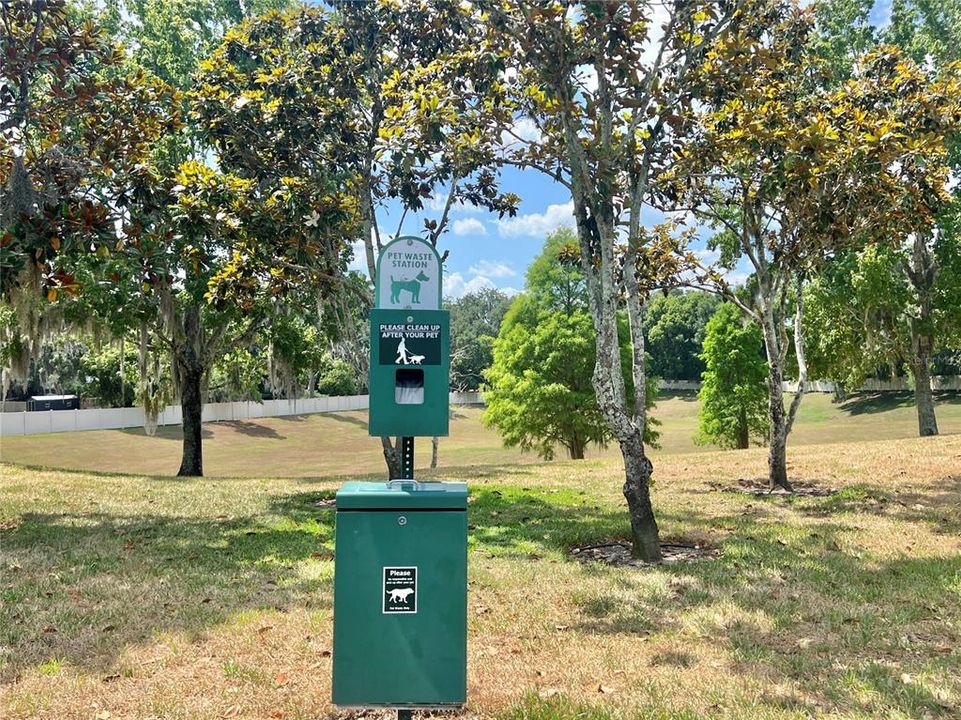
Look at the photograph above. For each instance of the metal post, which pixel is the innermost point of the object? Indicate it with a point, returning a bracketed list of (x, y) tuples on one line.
[(405, 714), (407, 458)]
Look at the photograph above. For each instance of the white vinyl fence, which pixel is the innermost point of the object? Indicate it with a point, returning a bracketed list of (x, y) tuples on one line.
[(902, 384), (52, 421)]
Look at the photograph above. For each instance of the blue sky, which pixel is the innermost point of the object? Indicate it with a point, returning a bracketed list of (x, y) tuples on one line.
[(488, 252)]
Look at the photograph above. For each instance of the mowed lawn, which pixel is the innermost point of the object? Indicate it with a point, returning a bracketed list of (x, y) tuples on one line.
[(337, 444), (143, 596)]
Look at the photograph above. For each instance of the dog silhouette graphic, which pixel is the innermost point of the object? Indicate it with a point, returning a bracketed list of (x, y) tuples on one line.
[(400, 595), (411, 286), (416, 359)]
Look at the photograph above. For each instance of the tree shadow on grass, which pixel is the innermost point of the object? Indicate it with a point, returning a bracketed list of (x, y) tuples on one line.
[(798, 607), (876, 402), (252, 429), (168, 432), (81, 587), (483, 472), (939, 507), (787, 603), (349, 419)]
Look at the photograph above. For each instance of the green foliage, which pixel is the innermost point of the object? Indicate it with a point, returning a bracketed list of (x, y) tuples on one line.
[(337, 378), (540, 391), (555, 278), (843, 31), (802, 165), (854, 316), (859, 309), (77, 130), (674, 328), (170, 37), (475, 320), (926, 29), (734, 392), (237, 375), (101, 379)]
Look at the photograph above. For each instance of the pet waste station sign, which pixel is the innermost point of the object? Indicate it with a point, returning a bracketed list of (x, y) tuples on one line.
[(409, 275), (400, 572)]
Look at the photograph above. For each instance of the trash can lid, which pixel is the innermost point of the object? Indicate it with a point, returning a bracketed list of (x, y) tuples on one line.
[(402, 495)]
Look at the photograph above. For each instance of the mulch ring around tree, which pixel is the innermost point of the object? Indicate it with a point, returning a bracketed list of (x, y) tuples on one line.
[(618, 552), (759, 487)]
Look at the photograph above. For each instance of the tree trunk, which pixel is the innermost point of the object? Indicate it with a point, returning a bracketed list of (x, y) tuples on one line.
[(743, 438), (923, 272), (777, 418), (191, 402), (597, 233), (637, 492), (923, 396), (190, 368), (392, 457), (575, 449)]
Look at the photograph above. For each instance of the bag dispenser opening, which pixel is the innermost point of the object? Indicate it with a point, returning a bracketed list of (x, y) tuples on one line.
[(409, 387)]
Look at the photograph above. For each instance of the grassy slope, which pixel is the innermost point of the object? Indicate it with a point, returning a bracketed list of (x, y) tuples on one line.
[(338, 445), (154, 597)]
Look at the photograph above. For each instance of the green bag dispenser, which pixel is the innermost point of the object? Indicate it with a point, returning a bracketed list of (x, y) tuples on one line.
[(409, 372), (400, 595)]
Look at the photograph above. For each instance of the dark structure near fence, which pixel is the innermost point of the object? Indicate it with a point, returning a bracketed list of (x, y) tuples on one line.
[(53, 402)]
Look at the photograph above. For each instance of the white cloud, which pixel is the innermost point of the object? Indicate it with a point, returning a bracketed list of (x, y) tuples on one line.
[(538, 224), (523, 131), (736, 277), (438, 202), (456, 286), (881, 14), (706, 256), (491, 269), (469, 226), (359, 262)]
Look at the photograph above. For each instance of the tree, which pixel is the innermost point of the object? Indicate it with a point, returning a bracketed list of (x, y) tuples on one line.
[(843, 32), (555, 277), (607, 86), (475, 320), (796, 170), (902, 310), (864, 313), (733, 396), (77, 127), (539, 393), (204, 256), (170, 39), (926, 29), (674, 325)]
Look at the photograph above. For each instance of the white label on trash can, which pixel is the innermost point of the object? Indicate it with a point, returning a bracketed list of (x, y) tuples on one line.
[(400, 590)]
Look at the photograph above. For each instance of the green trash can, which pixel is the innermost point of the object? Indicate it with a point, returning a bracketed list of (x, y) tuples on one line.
[(400, 595)]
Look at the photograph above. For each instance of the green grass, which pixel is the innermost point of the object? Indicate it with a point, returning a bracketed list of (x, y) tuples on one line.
[(337, 444), (152, 597)]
